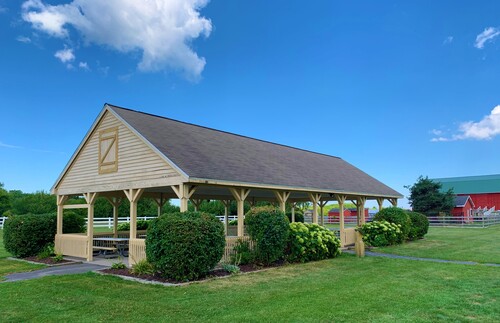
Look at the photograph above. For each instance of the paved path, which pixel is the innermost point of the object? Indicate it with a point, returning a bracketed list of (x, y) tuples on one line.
[(57, 270), (388, 255)]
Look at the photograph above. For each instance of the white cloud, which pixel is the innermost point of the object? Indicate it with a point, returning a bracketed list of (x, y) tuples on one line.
[(8, 146), (65, 55), (485, 129), (84, 66), (448, 40), (161, 30), (436, 132), (23, 39), (487, 35)]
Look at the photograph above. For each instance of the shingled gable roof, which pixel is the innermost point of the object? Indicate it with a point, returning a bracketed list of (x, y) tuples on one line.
[(208, 154)]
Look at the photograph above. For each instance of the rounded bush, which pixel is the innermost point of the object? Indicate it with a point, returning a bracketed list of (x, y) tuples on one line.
[(27, 235), (299, 216), (185, 246), (419, 225), (308, 242), (268, 227), (381, 233), (398, 216), (73, 223)]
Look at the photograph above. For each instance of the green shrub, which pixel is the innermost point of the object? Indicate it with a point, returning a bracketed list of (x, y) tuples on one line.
[(233, 222), (58, 258), (381, 233), (143, 267), (232, 269), (123, 226), (419, 225), (141, 225), (73, 223), (244, 254), (299, 217), (268, 227), (185, 246), (27, 235), (308, 242), (118, 265), (398, 216), (47, 251)]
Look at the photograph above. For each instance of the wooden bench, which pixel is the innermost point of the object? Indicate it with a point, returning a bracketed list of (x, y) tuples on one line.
[(105, 250)]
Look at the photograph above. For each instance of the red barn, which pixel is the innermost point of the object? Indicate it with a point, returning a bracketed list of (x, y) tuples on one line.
[(464, 206), (348, 213), (484, 191)]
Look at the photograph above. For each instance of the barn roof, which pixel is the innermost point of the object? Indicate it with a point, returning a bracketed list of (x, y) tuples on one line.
[(471, 184), (204, 153), (461, 200)]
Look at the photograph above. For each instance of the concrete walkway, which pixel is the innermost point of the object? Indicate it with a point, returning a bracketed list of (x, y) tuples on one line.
[(78, 268), (387, 255)]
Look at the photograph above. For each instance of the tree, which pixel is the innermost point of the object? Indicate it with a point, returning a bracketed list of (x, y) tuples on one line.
[(426, 197), (4, 200)]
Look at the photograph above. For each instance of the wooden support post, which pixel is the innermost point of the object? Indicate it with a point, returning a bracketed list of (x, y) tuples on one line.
[(315, 198), (226, 203), (133, 196), (282, 197), (380, 201), (394, 201), (240, 194), (115, 202), (293, 211), (184, 193), (61, 199), (196, 203), (341, 200), (321, 205), (90, 198), (359, 244), (160, 202)]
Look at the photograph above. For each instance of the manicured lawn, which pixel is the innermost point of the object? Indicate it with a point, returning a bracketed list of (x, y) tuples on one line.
[(470, 244), (343, 289), (12, 266)]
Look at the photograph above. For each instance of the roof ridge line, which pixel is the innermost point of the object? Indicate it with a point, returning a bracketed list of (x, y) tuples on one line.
[(222, 131)]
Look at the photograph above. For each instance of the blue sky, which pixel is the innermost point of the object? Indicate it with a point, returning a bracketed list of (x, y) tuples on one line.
[(398, 89)]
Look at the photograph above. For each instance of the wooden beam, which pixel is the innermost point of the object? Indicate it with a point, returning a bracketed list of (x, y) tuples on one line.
[(293, 204), (61, 199), (341, 200), (380, 201), (133, 195), (315, 198), (359, 244), (282, 197), (76, 206), (240, 194), (115, 202), (393, 201), (321, 205), (226, 203), (90, 198), (184, 193)]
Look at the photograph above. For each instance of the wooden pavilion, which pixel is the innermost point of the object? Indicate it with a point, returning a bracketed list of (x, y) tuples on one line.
[(130, 154)]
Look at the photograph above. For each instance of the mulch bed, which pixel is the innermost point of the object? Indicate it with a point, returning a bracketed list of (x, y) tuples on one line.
[(219, 272), (47, 261)]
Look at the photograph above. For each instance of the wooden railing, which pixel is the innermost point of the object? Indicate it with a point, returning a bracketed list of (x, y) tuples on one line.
[(136, 251), (349, 236), (231, 242), (74, 245)]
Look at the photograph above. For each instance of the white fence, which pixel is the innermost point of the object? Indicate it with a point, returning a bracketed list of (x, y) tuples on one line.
[(465, 221), (108, 222)]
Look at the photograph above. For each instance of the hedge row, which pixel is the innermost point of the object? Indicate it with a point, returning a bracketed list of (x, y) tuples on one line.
[(27, 235)]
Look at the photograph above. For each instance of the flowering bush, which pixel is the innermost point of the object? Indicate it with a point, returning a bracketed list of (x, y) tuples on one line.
[(381, 233), (308, 242)]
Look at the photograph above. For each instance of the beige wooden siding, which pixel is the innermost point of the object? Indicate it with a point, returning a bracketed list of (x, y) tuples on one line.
[(138, 165)]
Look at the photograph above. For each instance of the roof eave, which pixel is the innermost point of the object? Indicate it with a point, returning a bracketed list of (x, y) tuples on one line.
[(208, 181)]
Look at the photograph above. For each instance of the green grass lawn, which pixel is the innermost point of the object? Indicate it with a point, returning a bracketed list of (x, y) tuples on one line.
[(470, 244), (12, 266), (343, 289)]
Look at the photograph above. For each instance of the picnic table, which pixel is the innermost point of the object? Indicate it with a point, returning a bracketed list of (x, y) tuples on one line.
[(119, 244)]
